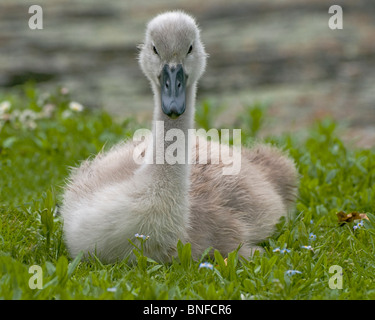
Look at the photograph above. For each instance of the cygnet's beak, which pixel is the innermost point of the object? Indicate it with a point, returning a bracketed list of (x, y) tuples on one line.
[(172, 83)]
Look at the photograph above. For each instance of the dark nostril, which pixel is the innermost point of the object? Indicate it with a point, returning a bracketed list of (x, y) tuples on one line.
[(167, 85), (179, 85)]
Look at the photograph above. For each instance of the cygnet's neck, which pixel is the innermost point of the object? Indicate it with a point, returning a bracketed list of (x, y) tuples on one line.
[(173, 133)]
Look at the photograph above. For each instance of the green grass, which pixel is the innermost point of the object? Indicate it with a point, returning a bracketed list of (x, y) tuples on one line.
[(37, 148)]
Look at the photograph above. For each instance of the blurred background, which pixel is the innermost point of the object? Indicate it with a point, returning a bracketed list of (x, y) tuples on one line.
[(278, 53)]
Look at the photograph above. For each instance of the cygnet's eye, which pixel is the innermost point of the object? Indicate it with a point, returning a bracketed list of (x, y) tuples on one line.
[(155, 51), (190, 49)]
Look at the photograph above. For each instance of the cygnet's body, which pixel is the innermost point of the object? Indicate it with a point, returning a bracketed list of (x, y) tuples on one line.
[(114, 196)]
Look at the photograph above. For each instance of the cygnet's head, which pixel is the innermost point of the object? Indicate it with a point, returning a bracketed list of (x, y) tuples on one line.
[(173, 58)]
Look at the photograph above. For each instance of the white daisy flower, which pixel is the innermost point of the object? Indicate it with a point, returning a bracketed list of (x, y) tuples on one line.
[(5, 106), (75, 106)]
